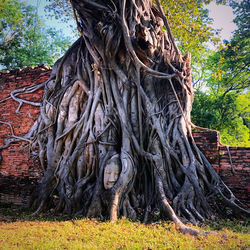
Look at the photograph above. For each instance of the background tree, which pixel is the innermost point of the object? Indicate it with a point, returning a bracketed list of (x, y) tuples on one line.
[(225, 105), (228, 114), (23, 39), (191, 26)]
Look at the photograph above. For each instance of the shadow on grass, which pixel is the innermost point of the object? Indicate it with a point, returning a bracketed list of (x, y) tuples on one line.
[(11, 213)]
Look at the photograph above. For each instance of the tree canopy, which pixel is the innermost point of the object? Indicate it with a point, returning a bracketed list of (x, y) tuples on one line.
[(225, 105), (24, 41)]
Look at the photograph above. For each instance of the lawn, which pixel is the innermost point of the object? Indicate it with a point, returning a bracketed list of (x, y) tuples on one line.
[(18, 230)]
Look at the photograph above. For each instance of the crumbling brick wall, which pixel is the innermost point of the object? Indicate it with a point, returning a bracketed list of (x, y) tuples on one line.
[(18, 173), (235, 170), (231, 163)]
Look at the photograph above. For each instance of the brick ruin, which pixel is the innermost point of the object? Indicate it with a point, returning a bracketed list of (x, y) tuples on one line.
[(19, 173), (231, 163)]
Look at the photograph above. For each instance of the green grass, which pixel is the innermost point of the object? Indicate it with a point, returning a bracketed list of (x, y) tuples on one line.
[(21, 231)]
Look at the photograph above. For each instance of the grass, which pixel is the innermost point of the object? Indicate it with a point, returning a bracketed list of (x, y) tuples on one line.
[(18, 230)]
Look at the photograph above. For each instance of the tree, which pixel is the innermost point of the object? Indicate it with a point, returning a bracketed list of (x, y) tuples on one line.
[(228, 114), (191, 25), (227, 81), (188, 19), (114, 133), (23, 40)]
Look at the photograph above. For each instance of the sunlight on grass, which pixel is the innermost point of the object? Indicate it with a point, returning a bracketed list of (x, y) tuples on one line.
[(123, 234)]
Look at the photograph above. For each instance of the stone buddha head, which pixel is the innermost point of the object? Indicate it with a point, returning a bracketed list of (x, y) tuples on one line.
[(112, 171)]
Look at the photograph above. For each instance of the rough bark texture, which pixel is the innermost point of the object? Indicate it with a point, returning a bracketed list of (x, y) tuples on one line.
[(119, 101)]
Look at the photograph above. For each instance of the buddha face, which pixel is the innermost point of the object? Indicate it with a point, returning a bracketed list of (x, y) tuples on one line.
[(111, 172)]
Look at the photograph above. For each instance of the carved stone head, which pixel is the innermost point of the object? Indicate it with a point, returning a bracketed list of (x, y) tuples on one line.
[(112, 171)]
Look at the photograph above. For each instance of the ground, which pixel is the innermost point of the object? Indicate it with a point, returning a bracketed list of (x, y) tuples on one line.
[(19, 230)]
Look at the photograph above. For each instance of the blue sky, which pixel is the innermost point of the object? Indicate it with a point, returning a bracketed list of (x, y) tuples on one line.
[(50, 22), (223, 18)]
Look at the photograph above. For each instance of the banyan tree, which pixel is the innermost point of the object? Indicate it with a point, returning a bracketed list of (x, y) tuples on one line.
[(114, 132)]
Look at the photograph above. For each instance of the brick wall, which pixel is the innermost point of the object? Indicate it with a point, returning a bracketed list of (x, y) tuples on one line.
[(18, 173), (235, 170), (208, 143), (231, 163)]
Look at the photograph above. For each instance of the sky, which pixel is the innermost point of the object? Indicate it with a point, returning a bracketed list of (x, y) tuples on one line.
[(223, 18), (51, 22)]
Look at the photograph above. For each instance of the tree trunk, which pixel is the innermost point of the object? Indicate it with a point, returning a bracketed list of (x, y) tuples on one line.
[(114, 133)]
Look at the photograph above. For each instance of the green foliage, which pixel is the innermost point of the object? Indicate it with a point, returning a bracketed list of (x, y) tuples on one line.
[(242, 12), (10, 17), (23, 39), (193, 30), (230, 66), (226, 105), (190, 25), (227, 113)]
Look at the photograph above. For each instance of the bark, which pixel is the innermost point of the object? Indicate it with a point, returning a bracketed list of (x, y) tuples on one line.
[(119, 101)]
